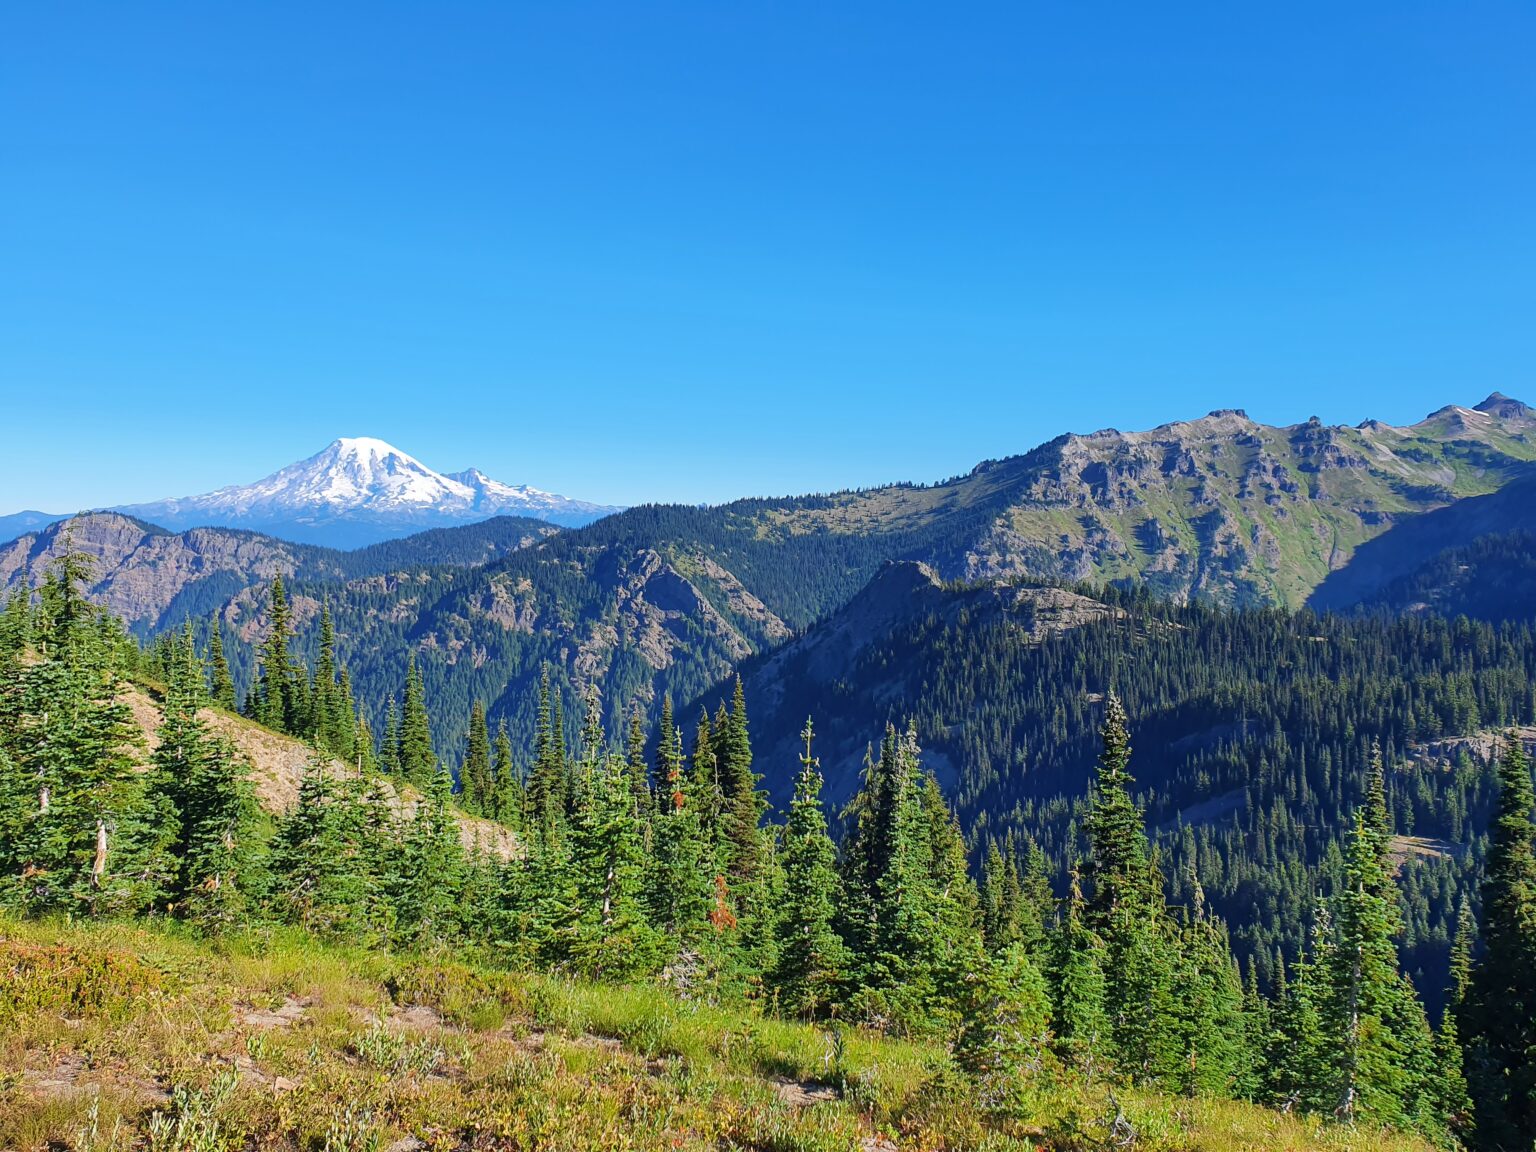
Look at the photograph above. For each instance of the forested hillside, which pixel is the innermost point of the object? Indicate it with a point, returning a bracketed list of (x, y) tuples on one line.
[(1253, 731), (1493, 578), (661, 868), (156, 580)]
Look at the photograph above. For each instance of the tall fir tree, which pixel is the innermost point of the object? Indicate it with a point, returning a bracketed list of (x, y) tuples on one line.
[(507, 789), (1119, 869), (276, 699), (639, 770), (743, 802), (221, 684), (811, 962), (1499, 1018), (682, 881), (1383, 1058), (545, 794), (1126, 910), (418, 763), (475, 772), (208, 802)]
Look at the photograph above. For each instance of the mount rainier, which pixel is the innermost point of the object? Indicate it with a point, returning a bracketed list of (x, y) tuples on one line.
[(358, 491)]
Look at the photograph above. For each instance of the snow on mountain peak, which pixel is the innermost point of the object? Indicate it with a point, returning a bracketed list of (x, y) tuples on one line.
[(363, 480)]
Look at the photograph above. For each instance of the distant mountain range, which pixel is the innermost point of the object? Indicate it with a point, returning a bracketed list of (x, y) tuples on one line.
[(673, 598), (357, 491)]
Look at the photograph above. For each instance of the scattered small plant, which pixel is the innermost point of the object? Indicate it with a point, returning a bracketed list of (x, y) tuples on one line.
[(193, 1123)]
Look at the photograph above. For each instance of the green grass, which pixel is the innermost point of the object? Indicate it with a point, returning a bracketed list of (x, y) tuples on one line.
[(130, 1037)]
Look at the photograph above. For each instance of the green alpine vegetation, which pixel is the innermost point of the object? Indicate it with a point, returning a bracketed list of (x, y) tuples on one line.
[(1037, 948)]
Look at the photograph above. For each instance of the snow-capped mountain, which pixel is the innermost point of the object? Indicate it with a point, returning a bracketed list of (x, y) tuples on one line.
[(357, 491)]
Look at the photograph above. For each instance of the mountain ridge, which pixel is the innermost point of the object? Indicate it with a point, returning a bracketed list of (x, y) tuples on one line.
[(155, 578)]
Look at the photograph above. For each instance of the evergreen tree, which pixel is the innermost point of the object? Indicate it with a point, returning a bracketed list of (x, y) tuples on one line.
[(475, 773), (743, 802), (508, 799), (221, 683), (1002, 898), (639, 770), (811, 961), (1453, 1100), (88, 839), (16, 623), (1209, 1011), (418, 763), (1077, 986), (332, 724), (1372, 1021), (277, 702), (545, 795), (1004, 1043), (321, 856), (681, 886), (1126, 910), (389, 746), (1499, 1019), (1118, 861), (613, 936), (427, 885), (210, 809)]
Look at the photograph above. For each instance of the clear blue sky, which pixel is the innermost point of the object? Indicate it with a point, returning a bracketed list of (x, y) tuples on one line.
[(676, 251)]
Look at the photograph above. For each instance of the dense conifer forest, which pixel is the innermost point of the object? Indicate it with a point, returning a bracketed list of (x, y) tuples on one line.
[(1084, 953), (1258, 728)]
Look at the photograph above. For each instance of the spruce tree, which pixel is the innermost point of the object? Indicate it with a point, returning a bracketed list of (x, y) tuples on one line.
[(811, 960), (389, 746), (639, 770), (417, 760), (1002, 896), (1118, 861), (545, 794), (1384, 1066), (92, 841), (1077, 986), (431, 869), (1499, 1019), (221, 683), (682, 881), (1126, 910), (16, 623), (508, 798), (1003, 1043), (743, 803), (208, 803), (614, 938), (475, 773), (277, 702)]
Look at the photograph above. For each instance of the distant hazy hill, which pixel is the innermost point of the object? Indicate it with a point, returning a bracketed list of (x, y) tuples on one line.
[(1493, 578)]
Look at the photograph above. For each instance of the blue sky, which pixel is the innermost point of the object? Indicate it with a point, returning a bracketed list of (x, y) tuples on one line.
[(676, 251)]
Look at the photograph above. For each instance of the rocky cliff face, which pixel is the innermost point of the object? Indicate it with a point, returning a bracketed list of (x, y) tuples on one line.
[(1221, 507), (139, 571)]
